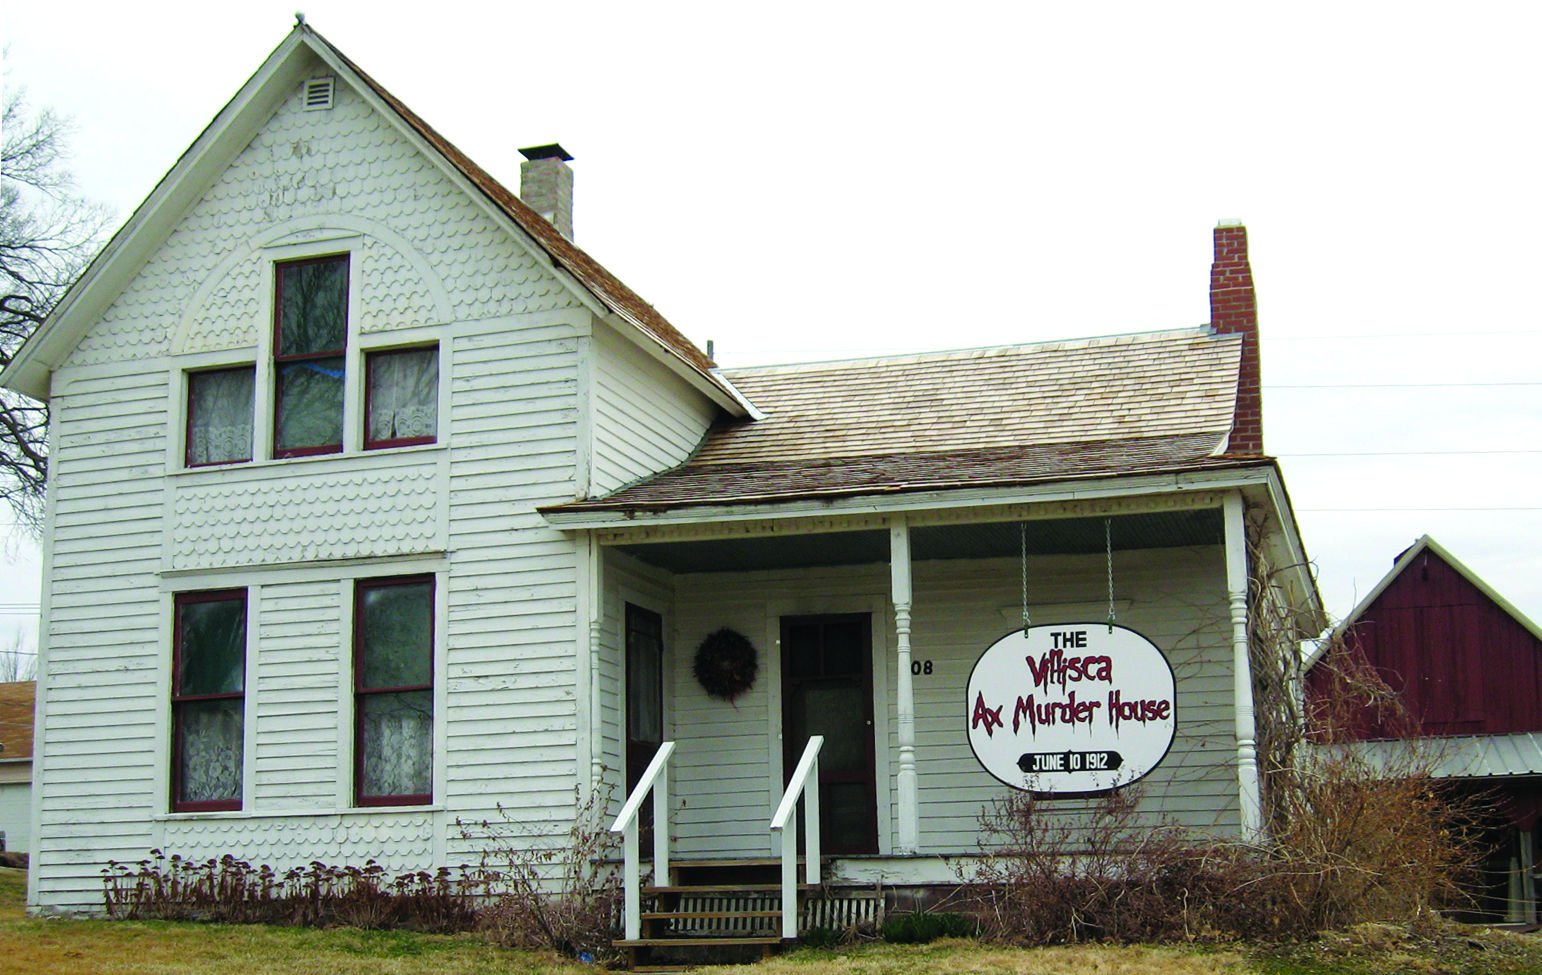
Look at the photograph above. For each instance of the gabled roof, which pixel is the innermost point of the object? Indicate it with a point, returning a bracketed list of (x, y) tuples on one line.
[(1147, 403), (289, 63), (1409, 557), (17, 699)]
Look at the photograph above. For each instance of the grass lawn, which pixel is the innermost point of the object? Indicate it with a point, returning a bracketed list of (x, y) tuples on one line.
[(64, 947)]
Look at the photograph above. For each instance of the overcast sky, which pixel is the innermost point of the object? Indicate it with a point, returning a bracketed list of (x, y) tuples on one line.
[(804, 181)]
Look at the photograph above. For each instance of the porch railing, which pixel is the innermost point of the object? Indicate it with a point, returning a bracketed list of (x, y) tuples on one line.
[(805, 783), (656, 780)]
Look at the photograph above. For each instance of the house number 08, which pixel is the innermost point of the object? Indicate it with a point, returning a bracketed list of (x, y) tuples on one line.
[(919, 667)]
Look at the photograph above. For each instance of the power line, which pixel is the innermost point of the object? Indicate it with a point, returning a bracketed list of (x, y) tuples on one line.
[(1408, 453), (1394, 336), (1395, 510), (1494, 385)]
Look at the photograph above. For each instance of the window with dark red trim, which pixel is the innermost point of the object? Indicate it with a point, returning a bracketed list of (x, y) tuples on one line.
[(219, 416), (401, 397), (208, 688), (393, 666), (310, 342)]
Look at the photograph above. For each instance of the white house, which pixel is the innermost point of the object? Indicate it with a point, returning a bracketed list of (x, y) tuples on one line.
[(16, 703), (375, 503)]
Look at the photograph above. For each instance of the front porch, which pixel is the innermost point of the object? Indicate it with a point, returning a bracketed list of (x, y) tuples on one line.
[(867, 626)]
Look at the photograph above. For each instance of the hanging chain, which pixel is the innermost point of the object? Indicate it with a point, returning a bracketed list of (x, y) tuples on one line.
[(1023, 530), (1108, 549)]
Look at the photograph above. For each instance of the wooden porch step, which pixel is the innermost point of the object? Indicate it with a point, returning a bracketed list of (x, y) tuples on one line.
[(706, 915), (730, 862), (702, 941), (709, 890)]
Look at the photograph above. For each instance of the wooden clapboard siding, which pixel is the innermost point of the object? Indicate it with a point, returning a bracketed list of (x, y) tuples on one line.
[(624, 580), (729, 755), (511, 721), (728, 777), (646, 419), (298, 669), (100, 742), (1177, 600), (131, 527)]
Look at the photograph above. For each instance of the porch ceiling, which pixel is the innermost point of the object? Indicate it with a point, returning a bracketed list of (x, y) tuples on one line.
[(1068, 536)]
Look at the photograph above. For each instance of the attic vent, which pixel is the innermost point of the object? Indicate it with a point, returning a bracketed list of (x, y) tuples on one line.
[(318, 94)]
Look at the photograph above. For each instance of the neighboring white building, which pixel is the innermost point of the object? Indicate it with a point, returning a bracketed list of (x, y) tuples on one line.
[(376, 504), (16, 704)]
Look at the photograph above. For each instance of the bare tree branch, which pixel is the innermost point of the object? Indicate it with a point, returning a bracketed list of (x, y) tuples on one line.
[(47, 236)]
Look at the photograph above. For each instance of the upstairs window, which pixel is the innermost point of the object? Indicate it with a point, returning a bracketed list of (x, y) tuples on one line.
[(401, 397), (310, 339), (208, 686), (219, 416), (394, 691)]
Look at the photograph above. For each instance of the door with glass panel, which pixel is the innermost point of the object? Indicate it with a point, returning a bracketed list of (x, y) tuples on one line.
[(644, 695), (827, 689)]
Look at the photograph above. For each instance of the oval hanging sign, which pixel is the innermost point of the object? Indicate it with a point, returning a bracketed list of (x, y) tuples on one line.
[(1071, 709)]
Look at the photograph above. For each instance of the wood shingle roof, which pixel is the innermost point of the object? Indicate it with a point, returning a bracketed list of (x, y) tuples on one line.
[(1146, 403)]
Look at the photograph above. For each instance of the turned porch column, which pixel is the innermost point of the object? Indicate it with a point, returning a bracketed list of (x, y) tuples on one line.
[(908, 827), (1242, 670)]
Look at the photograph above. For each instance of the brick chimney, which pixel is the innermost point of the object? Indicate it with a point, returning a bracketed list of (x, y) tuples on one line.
[(546, 185), (1234, 311)]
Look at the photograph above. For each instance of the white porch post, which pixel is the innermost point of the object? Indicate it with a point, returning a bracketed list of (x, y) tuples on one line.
[(909, 810), (596, 622), (1242, 670)]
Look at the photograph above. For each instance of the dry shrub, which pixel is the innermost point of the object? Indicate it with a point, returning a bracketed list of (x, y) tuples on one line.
[(1105, 875), (1355, 832), (233, 891), (1365, 831), (562, 895)]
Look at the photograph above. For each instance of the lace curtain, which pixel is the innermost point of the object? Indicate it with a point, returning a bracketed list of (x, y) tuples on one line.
[(210, 750), (219, 427), (398, 744), (396, 723), (404, 395)]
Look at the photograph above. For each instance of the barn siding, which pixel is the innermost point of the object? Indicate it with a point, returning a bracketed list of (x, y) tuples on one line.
[(1462, 663)]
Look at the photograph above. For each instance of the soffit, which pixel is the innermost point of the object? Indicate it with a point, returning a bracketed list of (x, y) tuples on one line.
[(1070, 536)]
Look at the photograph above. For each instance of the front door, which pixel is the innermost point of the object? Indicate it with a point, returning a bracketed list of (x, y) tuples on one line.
[(827, 689), (644, 695)]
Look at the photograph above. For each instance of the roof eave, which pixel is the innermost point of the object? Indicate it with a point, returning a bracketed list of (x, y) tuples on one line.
[(711, 383), (1254, 473), (126, 251), (408, 123), (221, 140), (1290, 554)]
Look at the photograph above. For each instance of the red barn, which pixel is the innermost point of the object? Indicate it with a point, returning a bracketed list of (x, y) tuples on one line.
[(1468, 668)]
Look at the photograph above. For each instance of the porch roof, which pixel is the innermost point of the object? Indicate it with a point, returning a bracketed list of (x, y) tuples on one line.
[(1133, 404)]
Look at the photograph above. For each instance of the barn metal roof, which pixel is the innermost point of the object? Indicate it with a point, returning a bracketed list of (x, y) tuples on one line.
[(1463, 757)]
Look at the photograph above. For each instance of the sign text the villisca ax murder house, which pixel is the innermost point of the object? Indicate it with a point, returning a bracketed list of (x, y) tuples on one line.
[(1071, 709)]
